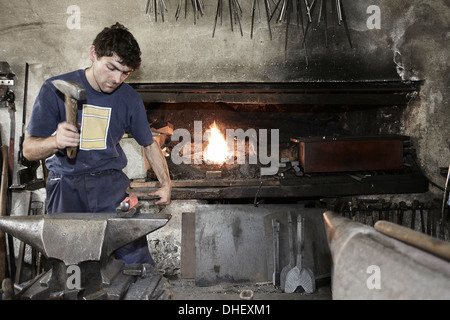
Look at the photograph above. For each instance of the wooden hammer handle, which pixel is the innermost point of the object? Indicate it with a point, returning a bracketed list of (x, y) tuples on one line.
[(420, 240), (71, 117)]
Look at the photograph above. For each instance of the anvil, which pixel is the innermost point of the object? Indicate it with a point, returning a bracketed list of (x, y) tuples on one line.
[(77, 237), (83, 239)]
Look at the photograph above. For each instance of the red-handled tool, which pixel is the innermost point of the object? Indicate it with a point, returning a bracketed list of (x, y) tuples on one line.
[(131, 206)]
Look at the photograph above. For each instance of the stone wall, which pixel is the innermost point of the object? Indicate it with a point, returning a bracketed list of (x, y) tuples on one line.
[(391, 40)]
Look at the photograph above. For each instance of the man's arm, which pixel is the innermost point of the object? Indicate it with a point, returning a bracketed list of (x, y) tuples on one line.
[(159, 165), (37, 148)]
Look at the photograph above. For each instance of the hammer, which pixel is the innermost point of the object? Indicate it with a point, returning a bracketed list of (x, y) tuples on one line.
[(72, 92)]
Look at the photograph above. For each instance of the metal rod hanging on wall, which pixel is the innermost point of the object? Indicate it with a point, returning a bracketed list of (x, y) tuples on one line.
[(323, 12), (197, 5), (339, 18), (235, 11), (256, 7), (155, 7), (342, 19), (285, 11)]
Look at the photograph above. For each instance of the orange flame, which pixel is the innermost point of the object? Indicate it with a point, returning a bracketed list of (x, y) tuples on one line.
[(216, 151)]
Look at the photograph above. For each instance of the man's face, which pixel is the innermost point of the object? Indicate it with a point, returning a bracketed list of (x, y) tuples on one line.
[(108, 73)]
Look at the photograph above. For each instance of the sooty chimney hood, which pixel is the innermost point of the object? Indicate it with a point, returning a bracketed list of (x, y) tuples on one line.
[(362, 93)]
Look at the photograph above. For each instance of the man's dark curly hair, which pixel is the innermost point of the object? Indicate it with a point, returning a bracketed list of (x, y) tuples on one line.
[(117, 39)]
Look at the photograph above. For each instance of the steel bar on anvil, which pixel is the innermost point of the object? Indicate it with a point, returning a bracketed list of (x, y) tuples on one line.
[(94, 235)]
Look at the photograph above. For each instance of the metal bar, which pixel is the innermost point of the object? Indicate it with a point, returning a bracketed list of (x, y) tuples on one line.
[(215, 20), (177, 13), (300, 14), (347, 32), (268, 17), (281, 16), (339, 11), (230, 4), (253, 18), (326, 23), (236, 7), (320, 13), (161, 5), (308, 11), (259, 11), (288, 20), (333, 9), (200, 6), (274, 10), (194, 5)]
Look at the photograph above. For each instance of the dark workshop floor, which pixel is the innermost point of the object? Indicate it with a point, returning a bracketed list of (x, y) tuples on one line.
[(185, 289)]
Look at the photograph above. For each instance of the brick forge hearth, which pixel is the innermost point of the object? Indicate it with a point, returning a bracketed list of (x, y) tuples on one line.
[(360, 113)]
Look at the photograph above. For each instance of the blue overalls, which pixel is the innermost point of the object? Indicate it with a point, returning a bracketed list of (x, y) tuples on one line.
[(95, 192)]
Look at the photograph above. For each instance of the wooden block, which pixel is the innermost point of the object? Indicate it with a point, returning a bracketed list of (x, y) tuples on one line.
[(187, 263)]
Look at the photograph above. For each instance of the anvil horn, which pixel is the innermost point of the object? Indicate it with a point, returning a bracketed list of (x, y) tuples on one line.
[(25, 228), (78, 237)]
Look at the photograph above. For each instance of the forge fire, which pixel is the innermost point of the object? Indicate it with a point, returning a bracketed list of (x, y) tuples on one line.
[(220, 150), (217, 150)]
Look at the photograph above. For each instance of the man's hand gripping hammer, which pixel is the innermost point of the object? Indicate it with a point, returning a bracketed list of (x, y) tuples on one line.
[(72, 93)]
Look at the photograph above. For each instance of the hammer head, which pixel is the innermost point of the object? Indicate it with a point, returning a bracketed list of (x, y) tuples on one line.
[(70, 89)]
